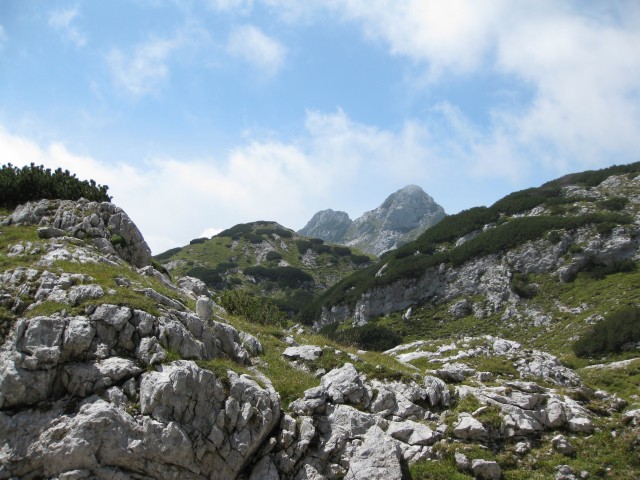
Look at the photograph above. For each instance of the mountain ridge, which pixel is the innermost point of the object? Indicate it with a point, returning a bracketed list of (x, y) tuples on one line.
[(401, 217)]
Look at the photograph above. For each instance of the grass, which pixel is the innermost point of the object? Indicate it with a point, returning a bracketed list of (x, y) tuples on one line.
[(622, 382), (13, 235)]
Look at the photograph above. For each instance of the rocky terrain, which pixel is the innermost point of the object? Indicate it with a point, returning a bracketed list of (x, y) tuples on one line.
[(111, 370), (403, 216)]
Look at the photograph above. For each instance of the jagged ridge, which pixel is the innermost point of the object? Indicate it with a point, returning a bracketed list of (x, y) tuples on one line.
[(403, 216)]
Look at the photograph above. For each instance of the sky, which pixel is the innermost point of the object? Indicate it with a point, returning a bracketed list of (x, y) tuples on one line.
[(201, 114)]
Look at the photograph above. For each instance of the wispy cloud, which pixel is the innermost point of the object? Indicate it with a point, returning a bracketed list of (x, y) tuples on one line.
[(253, 46), (63, 22), (3, 37), (145, 69)]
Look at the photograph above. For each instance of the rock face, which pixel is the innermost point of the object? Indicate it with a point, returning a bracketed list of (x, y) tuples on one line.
[(328, 225), (401, 218)]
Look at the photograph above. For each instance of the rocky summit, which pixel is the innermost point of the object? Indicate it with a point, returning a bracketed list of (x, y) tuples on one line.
[(402, 217), (110, 369)]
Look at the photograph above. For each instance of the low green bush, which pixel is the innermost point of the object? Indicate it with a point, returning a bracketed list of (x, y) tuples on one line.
[(253, 309), (610, 334), (366, 337), (291, 277), (273, 255), (168, 254)]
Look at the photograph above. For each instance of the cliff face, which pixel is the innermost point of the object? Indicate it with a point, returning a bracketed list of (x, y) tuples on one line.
[(328, 225), (401, 218)]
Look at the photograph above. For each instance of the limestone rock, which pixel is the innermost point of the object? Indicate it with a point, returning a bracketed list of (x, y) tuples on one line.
[(307, 353), (486, 470), (101, 222), (468, 428), (562, 445), (378, 458), (344, 385)]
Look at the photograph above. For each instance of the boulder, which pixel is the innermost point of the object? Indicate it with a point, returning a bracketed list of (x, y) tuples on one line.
[(377, 458), (468, 428), (307, 353), (486, 470)]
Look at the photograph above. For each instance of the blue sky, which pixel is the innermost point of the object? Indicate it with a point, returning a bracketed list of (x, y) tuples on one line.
[(203, 114)]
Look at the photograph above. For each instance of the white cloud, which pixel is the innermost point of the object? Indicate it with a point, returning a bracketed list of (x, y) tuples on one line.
[(175, 200), (62, 21), (579, 62), (145, 69), (231, 5), (253, 46), (3, 37)]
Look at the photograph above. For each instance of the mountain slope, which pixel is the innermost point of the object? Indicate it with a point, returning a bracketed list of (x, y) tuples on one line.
[(110, 370), (403, 216), (266, 259), (513, 265)]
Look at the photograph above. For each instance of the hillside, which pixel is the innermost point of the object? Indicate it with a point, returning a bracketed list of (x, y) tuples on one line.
[(267, 260), (578, 224), (113, 370), (401, 218)]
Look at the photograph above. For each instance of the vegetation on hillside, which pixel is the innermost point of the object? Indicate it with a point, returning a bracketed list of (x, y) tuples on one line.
[(256, 310), (20, 185), (267, 260), (491, 230), (619, 328)]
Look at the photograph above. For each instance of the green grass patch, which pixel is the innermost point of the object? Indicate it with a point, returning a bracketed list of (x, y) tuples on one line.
[(622, 382), (12, 235)]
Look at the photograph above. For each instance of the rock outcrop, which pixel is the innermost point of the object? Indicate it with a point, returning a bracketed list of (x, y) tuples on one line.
[(108, 228), (403, 216), (99, 389)]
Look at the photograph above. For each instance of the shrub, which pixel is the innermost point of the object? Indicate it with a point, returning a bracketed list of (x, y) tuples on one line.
[(159, 267), (610, 334), (19, 185), (360, 259), (598, 271), (209, 276), (235, 231), (281, 232), (366, 337), (197, 240), (168, 254), (273, 255), (554, 237), (285, 276), (521, 286), (256, 310), (303, 246), (118, 241), (341, 251), (615, 204)]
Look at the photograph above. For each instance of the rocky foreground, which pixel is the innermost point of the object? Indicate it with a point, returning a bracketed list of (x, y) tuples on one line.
[(110, 371)]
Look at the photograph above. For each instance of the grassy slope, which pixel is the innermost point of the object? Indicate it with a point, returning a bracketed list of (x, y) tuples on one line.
[(227, 255)]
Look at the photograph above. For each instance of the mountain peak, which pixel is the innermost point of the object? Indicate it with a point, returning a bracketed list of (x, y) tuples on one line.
[(403, 216)]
